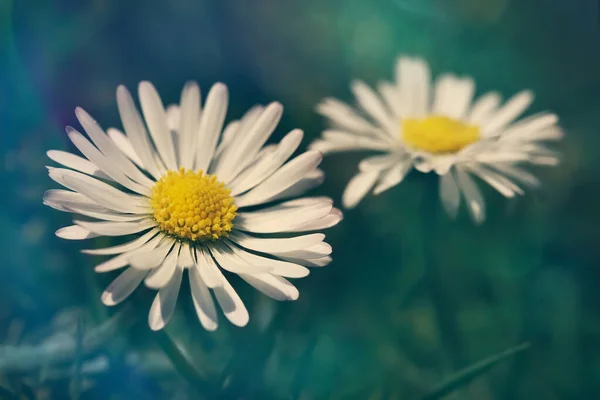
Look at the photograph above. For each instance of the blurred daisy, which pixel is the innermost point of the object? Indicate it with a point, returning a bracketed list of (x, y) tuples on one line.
[(438, 127), (195, 195)]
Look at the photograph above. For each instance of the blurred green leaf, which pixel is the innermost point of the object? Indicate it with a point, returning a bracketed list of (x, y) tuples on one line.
[(464, 376)]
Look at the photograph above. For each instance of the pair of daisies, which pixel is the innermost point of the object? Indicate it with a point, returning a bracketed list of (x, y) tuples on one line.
[(204, 196)]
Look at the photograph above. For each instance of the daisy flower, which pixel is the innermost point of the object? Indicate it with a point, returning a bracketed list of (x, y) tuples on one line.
[(438, 126), (198, 197)]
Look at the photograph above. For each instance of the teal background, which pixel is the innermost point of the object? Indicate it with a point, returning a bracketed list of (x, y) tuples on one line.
[(365, 327)]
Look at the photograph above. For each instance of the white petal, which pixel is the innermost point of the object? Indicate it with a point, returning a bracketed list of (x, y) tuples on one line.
[(310, 181), (497, 181), (243, 150), (473, 198), (173, 116), (531, 128), (122, 260), (273, 266), (370, 102), (266, 166), (164, 303), (453, 96), (507, 113), (211, 124), (122, 248), (318, 250), (117, 228), (230, 131), (156, 119), (273, 286), (75, 162), (449, 193), (107, 215), (65, 200), (124, 144), (358, 187), (122, 286), (281, 218), (189, 122), (413, 82), (208, 269), (286, 176), (102, 193), (159, 277), (107, 166), (110, 150), (331, 219), (391, 95), (186, 256), (231, 304), (483, 108), (230, 260), (379, 162), (136, 132), (313, 263), (270, 245), (152, 258), (235, 127), (75, 232), (346, 118), (393, 176), (518, 174), (203, 302)]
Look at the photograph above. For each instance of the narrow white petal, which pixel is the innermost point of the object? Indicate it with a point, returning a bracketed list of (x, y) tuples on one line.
[(531, 128), (186, 256), (122, 286), (117, 228), (123, 259), (164, 303), (449, 193), (345, 117), (485, 106), (318, 250), (156, 118), (379, 162), (203, 302), (159, 277), (107, 215), (102, 193), (189, 122), (75, 232), (310, 181), (270, 265), (507, 113), (285, 177), (75, 162), (473, 198), (136, 132), (393, 176), (243, 150), (231, 304), (122, 248), (152, 258), (497, 181), (109, 149), (211, 125), (281, 218), (391, 95), (518, 174), (228, 134), (268, 164), (173, 116), (273, 286), (271, 245), (65, 200), (331, 219), (413, 80), (208, 269), (107, 166), (358, 187), (230, 259), (370, 102), (313, 263), (124, 144), (233, 128)]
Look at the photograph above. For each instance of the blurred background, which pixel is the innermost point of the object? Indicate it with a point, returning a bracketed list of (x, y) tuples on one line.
[(365, 326)]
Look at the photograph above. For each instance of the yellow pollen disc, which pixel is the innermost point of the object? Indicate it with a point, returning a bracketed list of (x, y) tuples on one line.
[(192, 206), (438, 134)]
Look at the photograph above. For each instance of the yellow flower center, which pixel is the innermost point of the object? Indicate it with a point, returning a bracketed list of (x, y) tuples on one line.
[(438, 134), (192, 206)]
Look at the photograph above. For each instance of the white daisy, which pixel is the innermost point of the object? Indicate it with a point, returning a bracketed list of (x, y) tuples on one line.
[(438, 126), (194, 193)]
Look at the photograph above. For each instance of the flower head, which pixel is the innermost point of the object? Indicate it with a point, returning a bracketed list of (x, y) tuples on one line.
[(439, 127), (184, 185)]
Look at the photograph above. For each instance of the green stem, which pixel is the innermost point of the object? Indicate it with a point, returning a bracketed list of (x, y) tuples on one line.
[(444, 308)]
